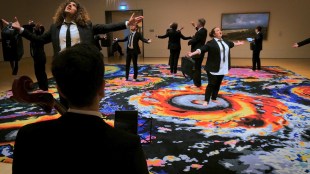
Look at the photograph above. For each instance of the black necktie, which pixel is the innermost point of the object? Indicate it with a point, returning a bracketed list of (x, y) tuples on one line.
[(68, 36), (223, 50), (130, 40)]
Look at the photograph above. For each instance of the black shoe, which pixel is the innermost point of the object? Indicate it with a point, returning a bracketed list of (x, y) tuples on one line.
[(14, 73)]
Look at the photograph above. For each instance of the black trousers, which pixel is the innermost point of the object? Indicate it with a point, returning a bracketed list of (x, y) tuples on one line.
[(173, 60), (39, 70), (256, 60), (197, 72), (132, 55), (14, 66), (213, 88)]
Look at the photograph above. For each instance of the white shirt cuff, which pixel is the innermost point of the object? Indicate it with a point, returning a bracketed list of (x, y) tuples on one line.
[(21, 30), (126, 23), (199, 51)]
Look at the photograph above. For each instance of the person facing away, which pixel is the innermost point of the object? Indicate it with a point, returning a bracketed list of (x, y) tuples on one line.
[(174, 45), (257, 47), (301, 43), (197, 41), (79, 141), (72, 25), (12, 46), (217, 64), (133, 49), (116, 47), (38, 54)]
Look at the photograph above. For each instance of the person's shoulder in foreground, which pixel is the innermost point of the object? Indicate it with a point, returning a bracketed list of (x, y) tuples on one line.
[(79, 140)]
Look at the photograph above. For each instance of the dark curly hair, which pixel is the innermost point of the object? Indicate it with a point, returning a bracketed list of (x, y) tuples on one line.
[(81, 17), (212, 32)]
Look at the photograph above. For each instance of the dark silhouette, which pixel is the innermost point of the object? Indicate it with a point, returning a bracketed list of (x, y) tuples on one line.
[(197, 41), (174, 45), (79, 141), (38, 54)]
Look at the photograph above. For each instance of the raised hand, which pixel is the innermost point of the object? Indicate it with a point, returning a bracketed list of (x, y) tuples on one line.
[(14, 24), (193, 24), (134, 20)]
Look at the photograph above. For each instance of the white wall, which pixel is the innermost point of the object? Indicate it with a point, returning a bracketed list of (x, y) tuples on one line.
[(288, 20)]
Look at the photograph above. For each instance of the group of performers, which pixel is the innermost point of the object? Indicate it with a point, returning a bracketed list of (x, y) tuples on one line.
[(78, 69)]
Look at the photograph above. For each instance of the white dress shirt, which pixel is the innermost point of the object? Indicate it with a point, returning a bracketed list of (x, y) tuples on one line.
[(223, 65), (74, 33), (130, 39)]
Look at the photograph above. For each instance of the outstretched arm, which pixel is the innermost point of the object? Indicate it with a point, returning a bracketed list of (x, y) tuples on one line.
[(163, 36), (238, 43), (202, 49), (302, 43), (121, 40), (45, 38), (143, 39), (185, 38), (190, 54)]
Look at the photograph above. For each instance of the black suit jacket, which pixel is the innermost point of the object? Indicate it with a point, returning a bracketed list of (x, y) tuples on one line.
[(258, 42), (175, 37), (214, 55), (138, 36), (199, 39), (77, 143), (87, 34), (304, 42), (36, 48)]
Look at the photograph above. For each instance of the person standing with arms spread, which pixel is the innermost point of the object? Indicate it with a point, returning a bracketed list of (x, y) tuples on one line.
[(197, 41), (79, 141), (257, 47), (174, 45), (72, 25), (38, 54), (218, 62), (133, 49)]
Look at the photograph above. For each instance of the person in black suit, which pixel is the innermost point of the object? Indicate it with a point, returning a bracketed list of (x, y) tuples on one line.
[(257, 46), (116, 47), (197, 41), (133, 49), (38, 54), (12, 46), (218, 62), (72, 25), (73, 14), (79, 141), (174, 45), (301, 43)]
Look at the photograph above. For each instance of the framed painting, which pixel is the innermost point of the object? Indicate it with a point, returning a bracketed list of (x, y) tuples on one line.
[(239, 26)]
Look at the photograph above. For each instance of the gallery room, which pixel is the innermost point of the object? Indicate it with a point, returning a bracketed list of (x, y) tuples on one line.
[(203, 86)]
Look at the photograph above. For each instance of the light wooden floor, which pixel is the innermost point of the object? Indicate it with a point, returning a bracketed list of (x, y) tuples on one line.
[(299, 66)]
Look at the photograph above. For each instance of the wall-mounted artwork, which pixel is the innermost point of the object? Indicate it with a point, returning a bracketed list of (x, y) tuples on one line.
[(239, 26)]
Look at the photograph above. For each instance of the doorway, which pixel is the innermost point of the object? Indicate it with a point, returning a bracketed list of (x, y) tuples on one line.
[(117, 16)]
